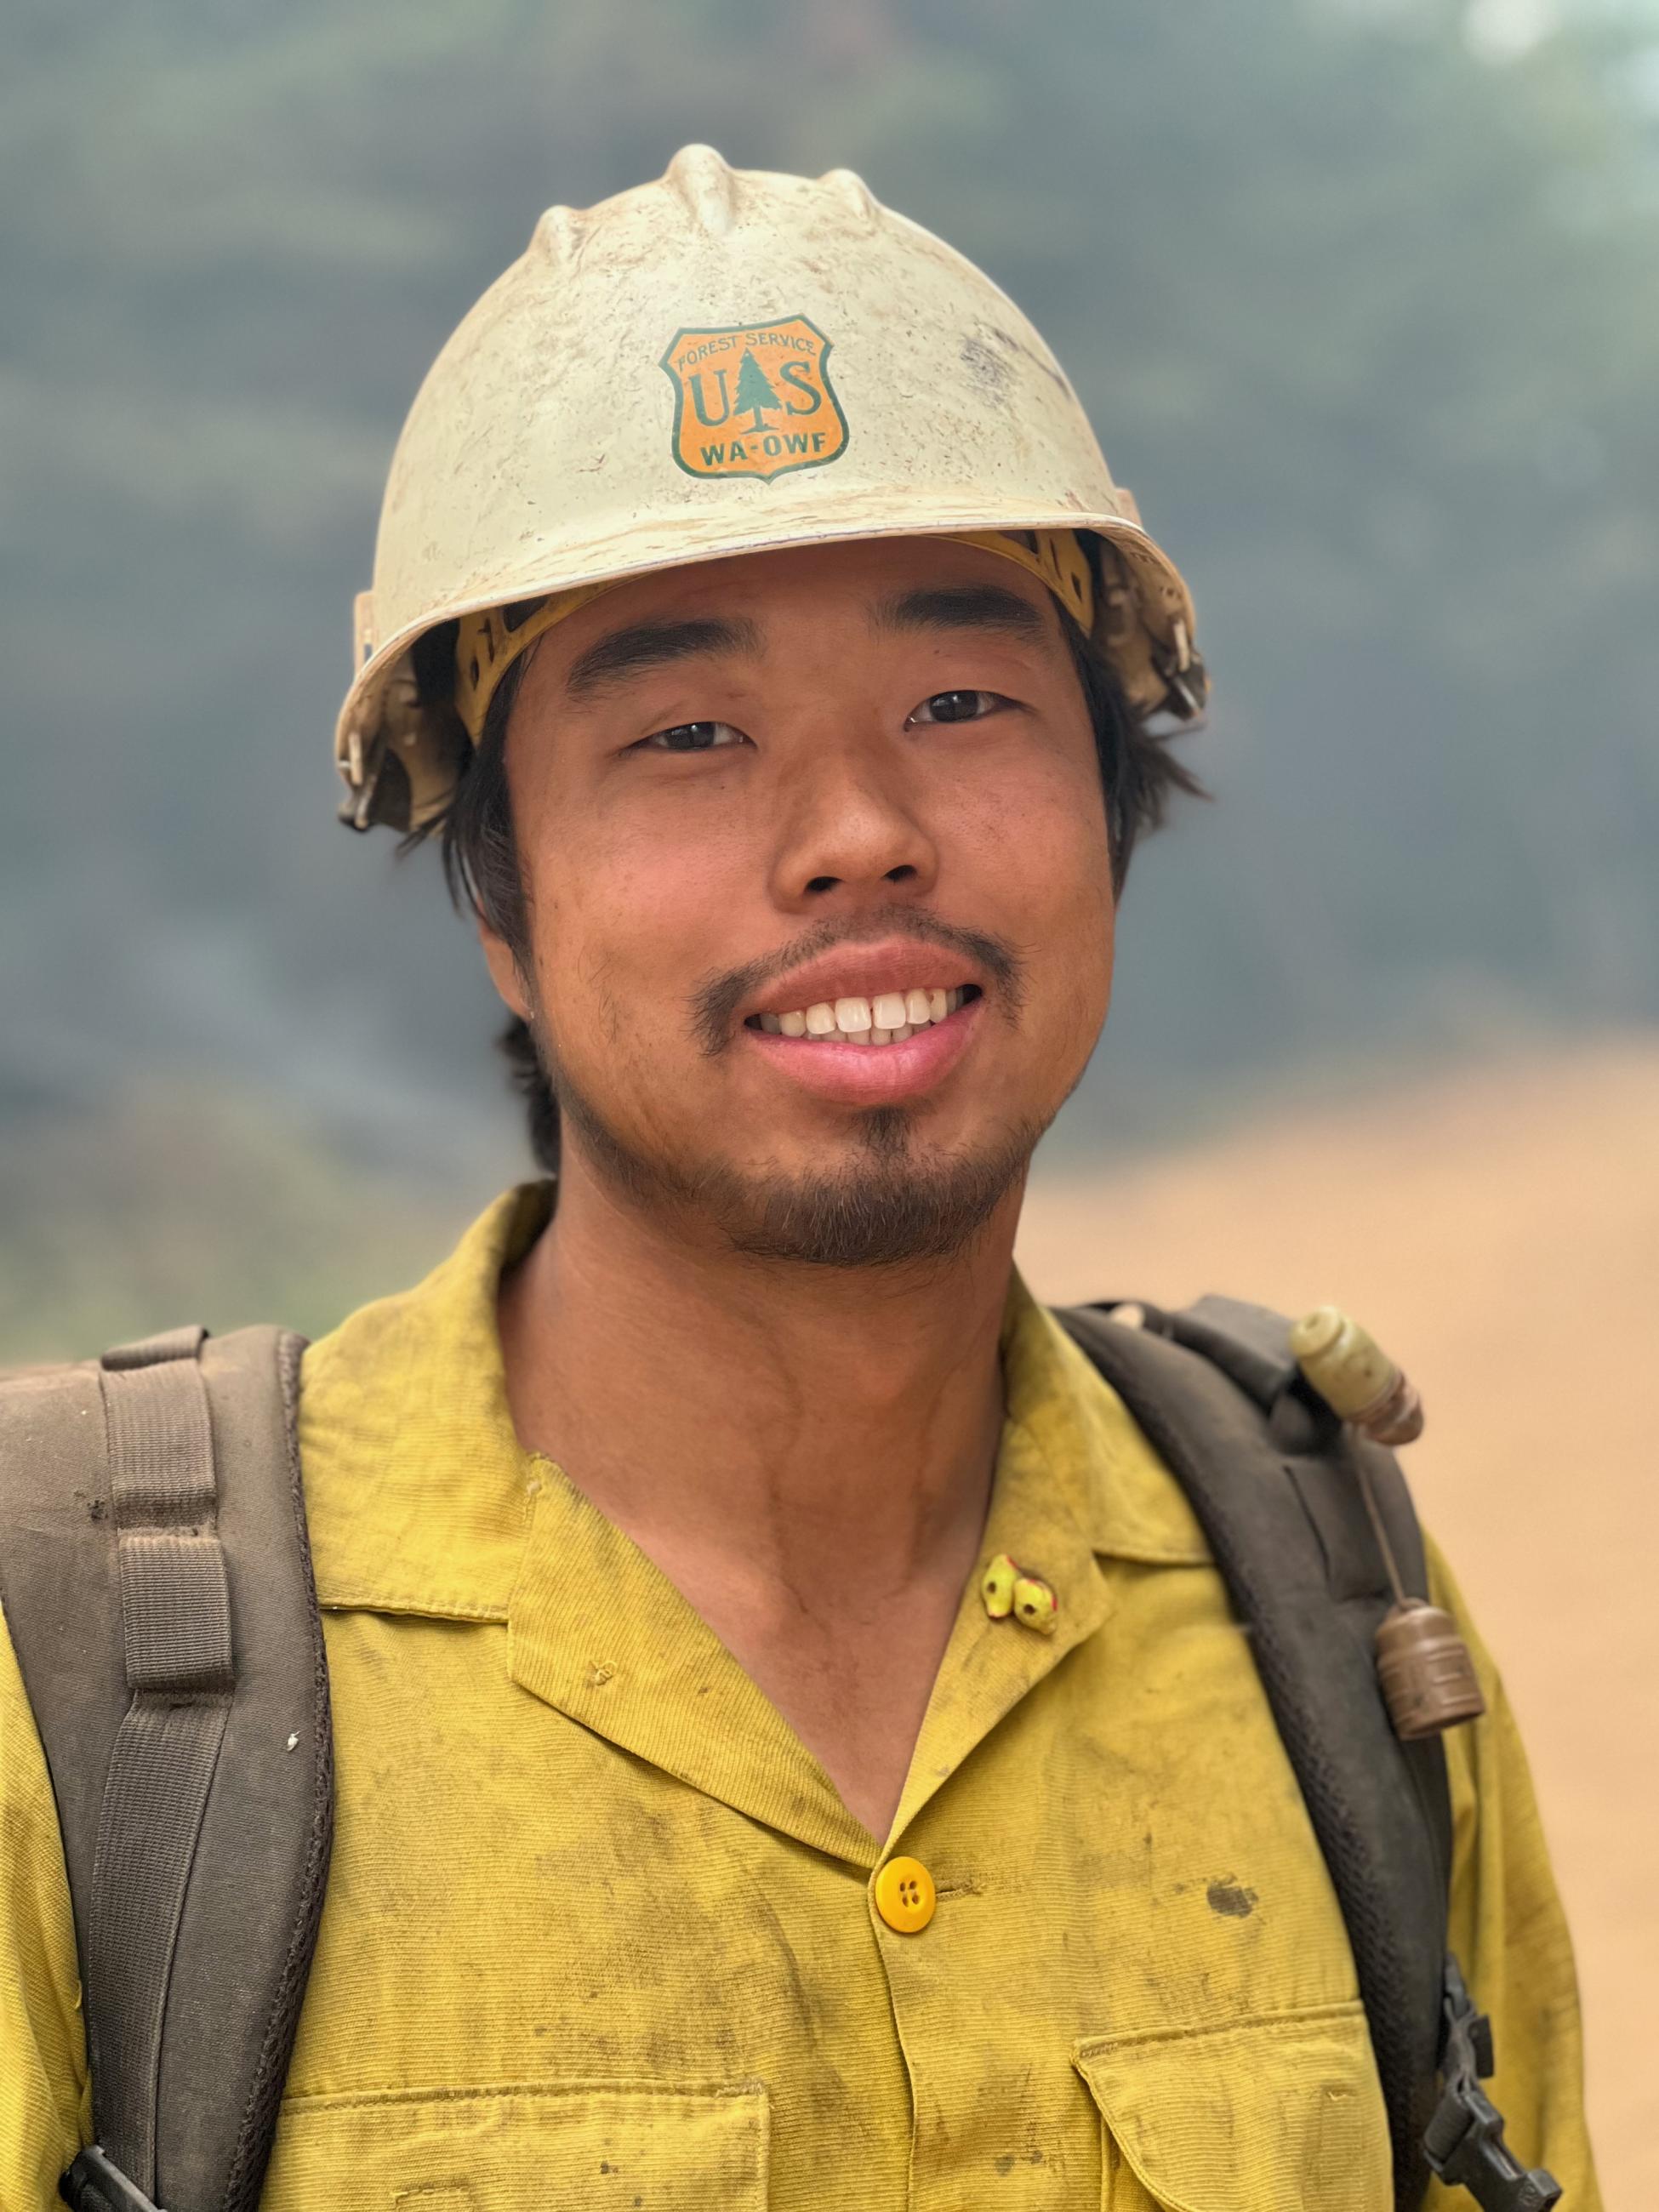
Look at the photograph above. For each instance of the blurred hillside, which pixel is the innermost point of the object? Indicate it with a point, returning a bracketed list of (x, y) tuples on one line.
[(1360, 295)]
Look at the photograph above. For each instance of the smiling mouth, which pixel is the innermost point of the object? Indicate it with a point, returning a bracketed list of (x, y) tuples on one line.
[(888, 1018)]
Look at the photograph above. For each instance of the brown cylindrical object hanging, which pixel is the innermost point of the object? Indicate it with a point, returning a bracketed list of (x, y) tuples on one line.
[(1428, 1678)]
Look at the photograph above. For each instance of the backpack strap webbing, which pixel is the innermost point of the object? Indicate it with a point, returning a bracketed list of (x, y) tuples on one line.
[(155, 1574), (1271, 1475)]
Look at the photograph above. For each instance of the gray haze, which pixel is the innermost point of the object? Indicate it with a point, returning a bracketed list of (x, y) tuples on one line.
[(1361, 298)]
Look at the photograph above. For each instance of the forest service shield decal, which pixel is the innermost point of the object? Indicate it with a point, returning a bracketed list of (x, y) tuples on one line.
[(754, 399)]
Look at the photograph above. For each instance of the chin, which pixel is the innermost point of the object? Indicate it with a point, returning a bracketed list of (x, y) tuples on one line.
[(888, 1202)]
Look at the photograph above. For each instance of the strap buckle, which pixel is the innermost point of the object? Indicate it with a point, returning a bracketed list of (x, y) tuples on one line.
[(1186, 679), (361, 770), (95, 2184), (1464, 2142)]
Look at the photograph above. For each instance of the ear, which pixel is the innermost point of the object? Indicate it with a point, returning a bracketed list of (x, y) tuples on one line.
[(505, 972)]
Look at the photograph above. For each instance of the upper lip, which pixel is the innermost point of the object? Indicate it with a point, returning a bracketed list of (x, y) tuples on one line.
[(865, 971)]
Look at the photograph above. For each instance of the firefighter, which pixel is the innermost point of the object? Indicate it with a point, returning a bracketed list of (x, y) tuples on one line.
[(794, 1743)]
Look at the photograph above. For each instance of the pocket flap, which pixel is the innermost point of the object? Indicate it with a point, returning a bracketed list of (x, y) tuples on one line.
[(563, 2147), (1247, 2118)]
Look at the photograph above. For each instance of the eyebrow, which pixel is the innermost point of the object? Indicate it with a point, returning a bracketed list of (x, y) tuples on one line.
[(612, 660), (962, 606)]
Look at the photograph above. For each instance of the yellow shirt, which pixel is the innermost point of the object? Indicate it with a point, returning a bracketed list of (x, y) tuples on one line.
[(599, 1931)]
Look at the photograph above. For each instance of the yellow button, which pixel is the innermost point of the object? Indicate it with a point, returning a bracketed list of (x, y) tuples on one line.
[(996, 1586), (1035, 1605), (905, 1896)]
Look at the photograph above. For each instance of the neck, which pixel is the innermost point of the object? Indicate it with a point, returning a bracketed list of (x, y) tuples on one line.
[(825, 1437)]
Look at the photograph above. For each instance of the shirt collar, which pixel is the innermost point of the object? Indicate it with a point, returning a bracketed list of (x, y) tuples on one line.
[(1077, 1486), (1101, 1467), (422, 1500), (418, 1492)]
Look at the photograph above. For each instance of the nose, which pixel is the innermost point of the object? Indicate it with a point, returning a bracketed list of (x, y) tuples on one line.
[(850, 831)]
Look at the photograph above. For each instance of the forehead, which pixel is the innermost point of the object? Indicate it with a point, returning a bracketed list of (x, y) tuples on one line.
[(855, 582)]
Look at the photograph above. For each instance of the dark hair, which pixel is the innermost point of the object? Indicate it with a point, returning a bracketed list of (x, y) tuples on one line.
[(1139, 773)]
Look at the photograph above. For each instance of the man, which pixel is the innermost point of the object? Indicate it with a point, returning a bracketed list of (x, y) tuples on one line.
[(794, 1746)]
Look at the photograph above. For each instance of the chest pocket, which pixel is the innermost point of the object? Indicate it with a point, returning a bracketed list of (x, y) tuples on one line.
[(1261, 2116), (564, 2147)]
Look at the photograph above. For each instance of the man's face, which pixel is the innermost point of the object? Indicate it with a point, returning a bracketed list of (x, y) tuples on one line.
[(834, 777)]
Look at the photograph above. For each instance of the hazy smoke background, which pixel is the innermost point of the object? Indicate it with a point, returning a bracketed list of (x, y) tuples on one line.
[(1361, 295)]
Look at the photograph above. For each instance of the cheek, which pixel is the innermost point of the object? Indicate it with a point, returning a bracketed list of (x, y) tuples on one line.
[(1053, 847), (1037, 841), (619, 931), (1083, 923)]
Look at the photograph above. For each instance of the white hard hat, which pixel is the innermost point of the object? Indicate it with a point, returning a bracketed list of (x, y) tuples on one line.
[(722, 363)]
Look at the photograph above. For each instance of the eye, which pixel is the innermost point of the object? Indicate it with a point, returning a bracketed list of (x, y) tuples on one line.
[(958, 706), (691, 738)]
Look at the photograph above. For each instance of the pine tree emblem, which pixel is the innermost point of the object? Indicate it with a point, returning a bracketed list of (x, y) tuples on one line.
[(754, 399), (754, 391)]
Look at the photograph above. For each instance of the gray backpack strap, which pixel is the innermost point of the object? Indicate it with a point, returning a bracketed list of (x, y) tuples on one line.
[(1269, 1472), (157, 1578)]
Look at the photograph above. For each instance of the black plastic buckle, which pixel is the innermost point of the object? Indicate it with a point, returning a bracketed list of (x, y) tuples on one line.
[(1464, 2144), (95, 2184)]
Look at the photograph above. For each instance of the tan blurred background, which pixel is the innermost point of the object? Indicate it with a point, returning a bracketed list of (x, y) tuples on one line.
[(1361, 296)]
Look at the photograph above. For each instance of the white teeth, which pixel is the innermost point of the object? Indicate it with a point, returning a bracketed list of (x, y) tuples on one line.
[(888, 1018)]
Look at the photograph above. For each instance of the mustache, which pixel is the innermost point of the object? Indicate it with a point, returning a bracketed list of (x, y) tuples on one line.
[(715, 1002)]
